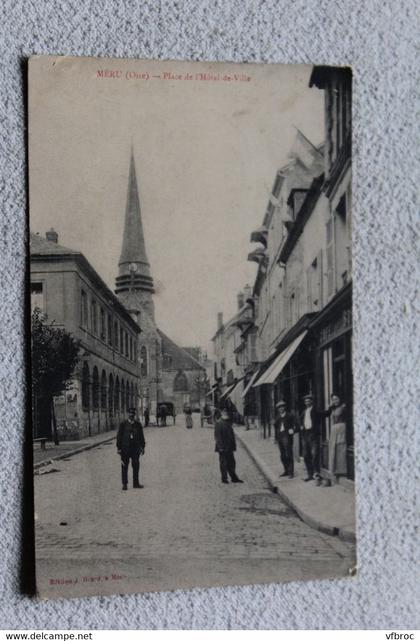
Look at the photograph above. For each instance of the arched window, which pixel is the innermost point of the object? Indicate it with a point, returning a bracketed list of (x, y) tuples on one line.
[(144, 361), (103, 390), (181, 382), (95, 388), (117, 394), (122, 395), (85, 386), (111, 395)]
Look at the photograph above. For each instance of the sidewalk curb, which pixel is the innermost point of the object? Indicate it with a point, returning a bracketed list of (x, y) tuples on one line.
[(88, 446), (342, 533)]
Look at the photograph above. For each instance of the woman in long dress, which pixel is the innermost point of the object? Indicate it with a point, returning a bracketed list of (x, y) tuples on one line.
[(188, 417), (337, 460)]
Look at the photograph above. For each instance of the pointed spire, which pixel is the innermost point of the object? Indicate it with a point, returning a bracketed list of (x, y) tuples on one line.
[(134, 267)]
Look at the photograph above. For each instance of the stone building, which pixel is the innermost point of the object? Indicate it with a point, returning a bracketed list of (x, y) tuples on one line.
[(66, 288), (184, 380), (298, 338), (229, 361)]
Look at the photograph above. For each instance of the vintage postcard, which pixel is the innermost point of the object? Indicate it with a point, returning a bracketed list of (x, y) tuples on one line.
[(191, 314)]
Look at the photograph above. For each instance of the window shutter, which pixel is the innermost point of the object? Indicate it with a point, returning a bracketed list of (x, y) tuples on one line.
[(330, 258)]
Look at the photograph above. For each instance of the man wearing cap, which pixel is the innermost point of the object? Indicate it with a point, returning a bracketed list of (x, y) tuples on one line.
[(130, 444), (226, 446), (309, 426), (284, 429)]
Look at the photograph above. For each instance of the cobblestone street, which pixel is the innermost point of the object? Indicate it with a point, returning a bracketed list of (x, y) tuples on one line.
[(184, 529)]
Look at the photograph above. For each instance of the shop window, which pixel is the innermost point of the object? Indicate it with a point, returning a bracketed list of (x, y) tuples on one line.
[(37, 297), (128, 401)]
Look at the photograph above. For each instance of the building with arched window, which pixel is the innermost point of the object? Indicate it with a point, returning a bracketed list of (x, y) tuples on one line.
[(69, 291)]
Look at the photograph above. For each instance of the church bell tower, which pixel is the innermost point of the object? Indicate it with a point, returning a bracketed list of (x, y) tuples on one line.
[(134, 283)]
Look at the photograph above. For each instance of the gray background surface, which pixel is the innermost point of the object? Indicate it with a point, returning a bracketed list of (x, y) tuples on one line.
[(377, 39)]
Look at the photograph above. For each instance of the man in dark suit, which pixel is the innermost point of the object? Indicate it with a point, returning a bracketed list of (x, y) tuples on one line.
[(226, 446), (284, 429), (310, 431), (163, 414), (130, 444)]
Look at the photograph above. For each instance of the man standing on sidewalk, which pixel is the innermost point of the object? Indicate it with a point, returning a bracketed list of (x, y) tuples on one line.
[(226, 446), (309, 425), (284, 429), (130, 444)]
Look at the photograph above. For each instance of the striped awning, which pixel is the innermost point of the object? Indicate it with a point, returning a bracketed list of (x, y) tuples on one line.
[(250, 382), (234, 387), (276, 367), (227, 391)]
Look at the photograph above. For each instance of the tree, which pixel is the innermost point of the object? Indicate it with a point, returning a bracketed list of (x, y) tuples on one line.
[(54, 358)]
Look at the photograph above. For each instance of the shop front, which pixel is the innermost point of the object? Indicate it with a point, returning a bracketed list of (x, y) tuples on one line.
[(332, 334)]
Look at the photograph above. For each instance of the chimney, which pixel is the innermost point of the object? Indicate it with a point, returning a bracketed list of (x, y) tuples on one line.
[(219, 320), (52, 236), (241, 300), (247, 292)]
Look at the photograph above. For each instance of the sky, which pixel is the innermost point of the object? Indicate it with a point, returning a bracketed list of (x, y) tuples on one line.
[(206, 153)]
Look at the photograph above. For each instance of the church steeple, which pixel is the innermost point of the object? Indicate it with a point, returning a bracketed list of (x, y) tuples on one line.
[(134, 267), (134, 283)]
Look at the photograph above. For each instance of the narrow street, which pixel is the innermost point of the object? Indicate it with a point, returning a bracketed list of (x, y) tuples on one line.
[(184, 529)]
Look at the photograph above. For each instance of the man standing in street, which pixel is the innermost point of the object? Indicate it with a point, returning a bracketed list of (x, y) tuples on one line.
[(309, 425), (226, 446), (130, 444), (284, 429)]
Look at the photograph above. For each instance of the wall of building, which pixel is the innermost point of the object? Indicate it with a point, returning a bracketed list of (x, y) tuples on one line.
[(81, 414)]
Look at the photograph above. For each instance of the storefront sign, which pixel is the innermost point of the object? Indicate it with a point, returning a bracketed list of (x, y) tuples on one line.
[(339, 325)]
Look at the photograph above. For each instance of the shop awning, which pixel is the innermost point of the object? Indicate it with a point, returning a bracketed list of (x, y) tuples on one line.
[(280, 362), (227, 391), (230, 392), (250, 382)]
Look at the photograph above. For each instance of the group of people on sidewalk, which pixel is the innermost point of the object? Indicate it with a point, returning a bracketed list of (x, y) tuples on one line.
[(309, 427)]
